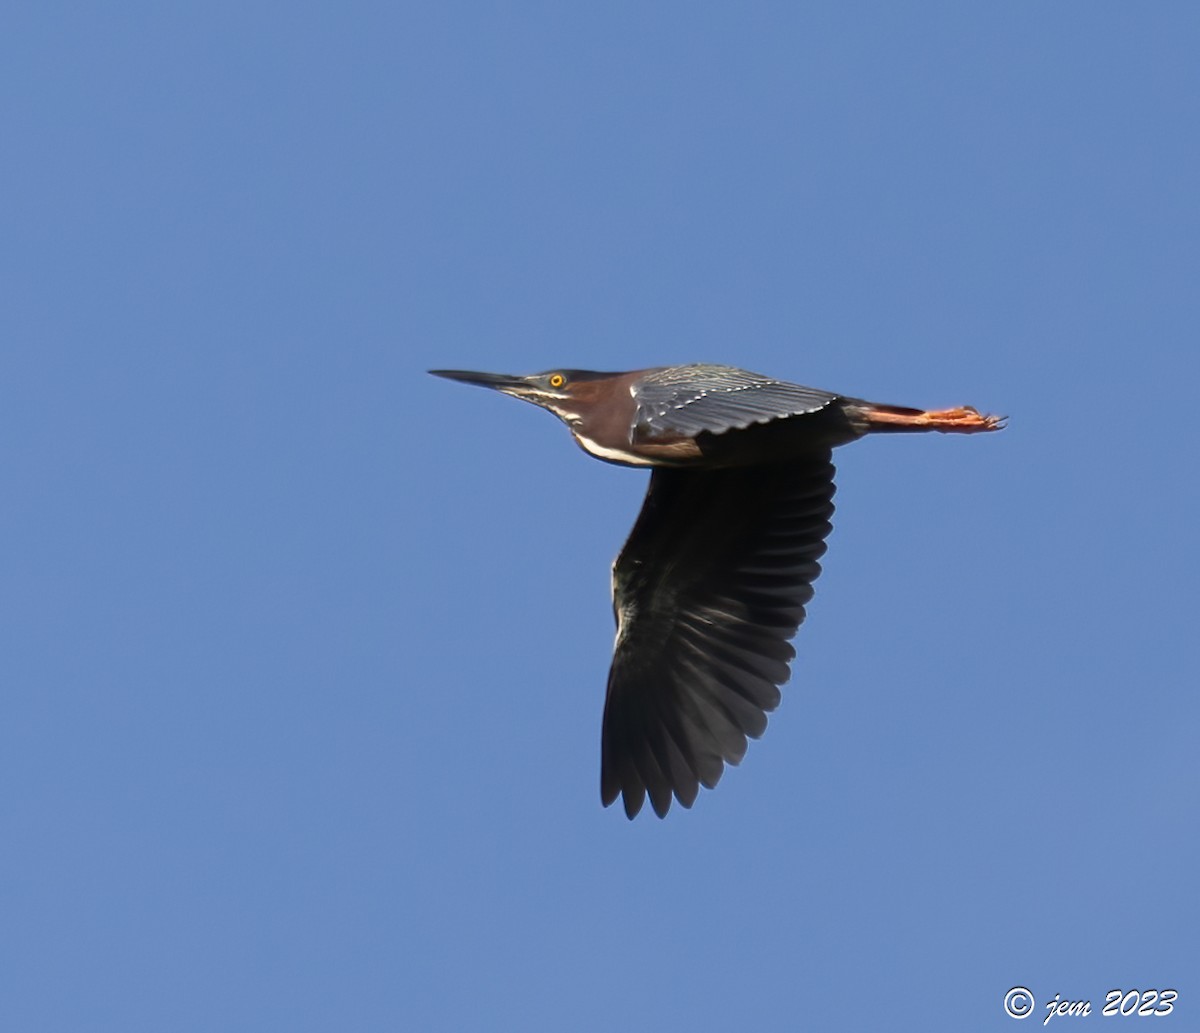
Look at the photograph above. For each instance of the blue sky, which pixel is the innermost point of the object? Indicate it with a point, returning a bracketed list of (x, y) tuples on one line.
[(303, 651)]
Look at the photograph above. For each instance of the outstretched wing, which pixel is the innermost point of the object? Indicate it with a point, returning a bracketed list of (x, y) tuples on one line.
[(685, 400), (707, 591)]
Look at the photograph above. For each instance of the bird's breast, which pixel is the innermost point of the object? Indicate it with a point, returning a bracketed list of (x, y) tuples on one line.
[(682, 452)]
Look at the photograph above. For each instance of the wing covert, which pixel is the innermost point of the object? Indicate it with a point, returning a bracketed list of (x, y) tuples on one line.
[(686, 400)]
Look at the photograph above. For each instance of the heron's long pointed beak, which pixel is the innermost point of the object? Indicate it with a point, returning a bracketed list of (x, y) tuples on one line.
[(496, 381)]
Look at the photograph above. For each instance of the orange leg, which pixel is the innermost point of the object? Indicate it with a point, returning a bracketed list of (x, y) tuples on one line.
[(963, 420)]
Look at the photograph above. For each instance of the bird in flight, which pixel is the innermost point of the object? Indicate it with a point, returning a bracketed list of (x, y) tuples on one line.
[(713, 581)]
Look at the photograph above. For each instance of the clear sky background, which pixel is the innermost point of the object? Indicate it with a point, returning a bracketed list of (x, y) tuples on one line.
[(303, 651)]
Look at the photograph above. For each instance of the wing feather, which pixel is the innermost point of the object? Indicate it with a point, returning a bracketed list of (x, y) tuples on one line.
[(707, 592)]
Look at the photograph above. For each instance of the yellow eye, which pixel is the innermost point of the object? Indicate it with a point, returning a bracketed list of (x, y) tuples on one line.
[(557, 380)]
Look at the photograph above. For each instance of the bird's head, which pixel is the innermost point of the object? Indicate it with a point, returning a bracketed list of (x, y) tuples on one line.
[(571, 394)]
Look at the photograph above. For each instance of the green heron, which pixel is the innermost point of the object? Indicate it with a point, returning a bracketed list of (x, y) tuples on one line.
[(719, 566)]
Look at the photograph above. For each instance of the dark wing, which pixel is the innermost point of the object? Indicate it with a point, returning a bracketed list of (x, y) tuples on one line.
[(685, 400), (707, 591)]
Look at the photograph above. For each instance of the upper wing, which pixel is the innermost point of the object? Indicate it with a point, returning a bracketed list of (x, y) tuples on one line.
[(707, 591), (689, 399)]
